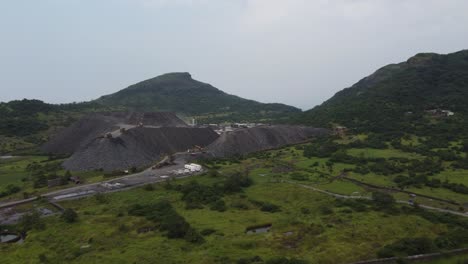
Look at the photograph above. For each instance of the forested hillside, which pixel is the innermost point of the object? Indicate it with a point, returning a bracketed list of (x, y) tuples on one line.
[(398, 97)]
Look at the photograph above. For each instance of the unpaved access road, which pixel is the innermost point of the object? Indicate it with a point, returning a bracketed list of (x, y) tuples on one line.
[(336, 195)]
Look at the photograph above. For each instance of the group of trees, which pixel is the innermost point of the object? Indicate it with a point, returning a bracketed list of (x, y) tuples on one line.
[(40, 173), (20, 118), (408, 246), (197, 195), (420, 180), (418, 171), (167, 220), (9, 190)]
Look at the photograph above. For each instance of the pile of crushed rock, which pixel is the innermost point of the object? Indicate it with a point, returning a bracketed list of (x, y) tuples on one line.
[(248, 140), (119, 141), (137, 147), (96, 125)]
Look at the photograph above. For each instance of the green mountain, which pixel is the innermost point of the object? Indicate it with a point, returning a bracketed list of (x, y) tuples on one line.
[(398, 96), (178, 92)]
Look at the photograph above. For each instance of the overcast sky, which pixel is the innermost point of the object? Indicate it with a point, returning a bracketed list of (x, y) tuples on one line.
[(298, 52)]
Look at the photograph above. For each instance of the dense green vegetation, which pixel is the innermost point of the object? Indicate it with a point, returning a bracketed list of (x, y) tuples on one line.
[(395, 98), (27, 176)]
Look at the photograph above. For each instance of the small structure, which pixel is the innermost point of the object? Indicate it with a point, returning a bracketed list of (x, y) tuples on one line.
[(440, 113), (75, 179)]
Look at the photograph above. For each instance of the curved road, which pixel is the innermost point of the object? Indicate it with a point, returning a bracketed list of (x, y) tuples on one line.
[(369, 198)]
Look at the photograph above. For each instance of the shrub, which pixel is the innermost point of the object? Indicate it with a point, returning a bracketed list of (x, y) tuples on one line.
[(236, 182), (407, 247), (269, 207), (31, 221), (383, 199), (207, 232), (284, 260), (218, 205), (299, 176), (168, 220), (69, 215)]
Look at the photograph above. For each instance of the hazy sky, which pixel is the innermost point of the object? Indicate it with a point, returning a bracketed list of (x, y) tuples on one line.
[(298, 52)]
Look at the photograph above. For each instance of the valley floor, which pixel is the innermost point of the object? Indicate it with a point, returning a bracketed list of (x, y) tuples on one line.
[(307, 226)]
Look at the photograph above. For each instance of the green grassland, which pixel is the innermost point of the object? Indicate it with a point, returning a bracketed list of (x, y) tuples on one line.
[(310, 226), (106, 234)]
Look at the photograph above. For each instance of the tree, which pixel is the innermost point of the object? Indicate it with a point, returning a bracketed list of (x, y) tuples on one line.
[(31, 221), (69, 215), (383, 199)]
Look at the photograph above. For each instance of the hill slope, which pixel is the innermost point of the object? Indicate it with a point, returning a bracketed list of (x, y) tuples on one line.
[(178, 92), (383, 100)]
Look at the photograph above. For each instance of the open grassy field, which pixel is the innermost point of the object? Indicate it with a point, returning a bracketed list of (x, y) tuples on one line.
[(310, 226), (382, 153), (14, 169), (303, 229)]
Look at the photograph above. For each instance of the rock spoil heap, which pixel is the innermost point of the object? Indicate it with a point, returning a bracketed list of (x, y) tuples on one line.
[(119, 141), (96, 125), (244, 141), (138, 147)]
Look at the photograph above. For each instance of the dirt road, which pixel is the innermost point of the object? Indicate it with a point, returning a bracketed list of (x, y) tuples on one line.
[(369, 198)]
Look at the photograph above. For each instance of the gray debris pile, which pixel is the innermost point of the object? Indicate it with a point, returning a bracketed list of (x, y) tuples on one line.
[(120, 141), (98, 125), (248, 140), (138, 147)]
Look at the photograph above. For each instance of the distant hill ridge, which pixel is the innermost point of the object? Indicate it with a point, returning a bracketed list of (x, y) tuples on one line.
[(180, 93)]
